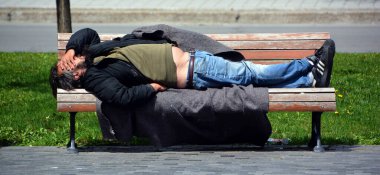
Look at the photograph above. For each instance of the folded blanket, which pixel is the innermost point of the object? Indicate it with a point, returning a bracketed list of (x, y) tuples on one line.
[(234, 114)]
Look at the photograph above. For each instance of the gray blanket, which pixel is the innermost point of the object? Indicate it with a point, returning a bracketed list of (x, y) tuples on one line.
[(229, 115), (186, 40)]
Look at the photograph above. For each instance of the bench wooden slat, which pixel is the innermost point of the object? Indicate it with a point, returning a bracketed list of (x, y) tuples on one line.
[(291, 96), (266, 62), (233, 37), (301, 90), (62, 45), (83, 98), (275, 45), (280, 99), (276, 54), (75, 91), (102, 36), (317, 97), (302, 106), (76, 107), (273, 106), (269, 36)]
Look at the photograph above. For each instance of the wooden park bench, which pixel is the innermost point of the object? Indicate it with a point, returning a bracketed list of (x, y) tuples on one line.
[(261, 48)]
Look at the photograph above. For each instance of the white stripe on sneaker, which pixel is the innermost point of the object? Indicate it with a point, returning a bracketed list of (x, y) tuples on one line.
[(321, 72), (321, 63), (320, 67), (311, 63)]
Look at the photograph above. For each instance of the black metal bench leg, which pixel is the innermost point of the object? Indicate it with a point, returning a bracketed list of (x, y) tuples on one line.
[(71, 147), (315, 140)]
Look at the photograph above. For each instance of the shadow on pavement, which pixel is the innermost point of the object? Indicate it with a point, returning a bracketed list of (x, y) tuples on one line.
[(210, 148)]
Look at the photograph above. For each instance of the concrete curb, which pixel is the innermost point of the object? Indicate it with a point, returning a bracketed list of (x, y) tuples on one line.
[(327, 16)]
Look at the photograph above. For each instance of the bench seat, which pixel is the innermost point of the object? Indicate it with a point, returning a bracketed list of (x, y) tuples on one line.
[(280, 99)]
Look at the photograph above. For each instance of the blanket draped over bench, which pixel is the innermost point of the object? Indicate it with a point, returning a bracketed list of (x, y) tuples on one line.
[(229, 115), (187, 40)]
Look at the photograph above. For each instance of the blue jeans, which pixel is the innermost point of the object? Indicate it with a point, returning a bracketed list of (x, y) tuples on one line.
[(212, 71)]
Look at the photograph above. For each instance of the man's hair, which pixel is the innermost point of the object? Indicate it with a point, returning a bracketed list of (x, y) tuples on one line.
[(65, 81)]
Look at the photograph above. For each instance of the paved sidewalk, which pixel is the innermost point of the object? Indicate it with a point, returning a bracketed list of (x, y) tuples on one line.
[(190, 160), (197, 11)]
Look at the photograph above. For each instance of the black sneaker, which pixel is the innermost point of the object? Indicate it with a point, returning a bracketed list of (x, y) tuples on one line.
[(323, 69), (313, 60)]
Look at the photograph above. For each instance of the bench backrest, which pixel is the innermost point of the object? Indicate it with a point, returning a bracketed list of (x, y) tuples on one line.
[(261, 48)]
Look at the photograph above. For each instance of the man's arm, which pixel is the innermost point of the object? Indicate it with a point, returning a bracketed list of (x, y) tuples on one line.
[(82, 39), (109, 89), (78, 44)]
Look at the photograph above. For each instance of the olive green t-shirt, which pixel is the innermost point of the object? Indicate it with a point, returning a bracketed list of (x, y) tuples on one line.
[(154, 61)]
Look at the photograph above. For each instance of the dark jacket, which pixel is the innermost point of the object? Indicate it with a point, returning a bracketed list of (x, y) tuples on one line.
[(81, 40), (117, 82)]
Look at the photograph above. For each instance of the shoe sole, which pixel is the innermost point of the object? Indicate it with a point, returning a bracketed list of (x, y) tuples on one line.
[(328, 54)]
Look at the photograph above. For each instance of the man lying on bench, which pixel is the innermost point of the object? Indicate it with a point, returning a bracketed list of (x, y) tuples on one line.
[(133, 74)]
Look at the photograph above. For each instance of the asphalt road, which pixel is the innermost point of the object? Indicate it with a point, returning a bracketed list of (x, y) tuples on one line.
[(42, 37)]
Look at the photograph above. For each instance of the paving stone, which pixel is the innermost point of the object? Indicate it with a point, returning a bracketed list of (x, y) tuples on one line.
[(190, 160)]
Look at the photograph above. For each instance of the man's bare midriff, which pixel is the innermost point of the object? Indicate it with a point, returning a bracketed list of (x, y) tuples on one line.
[(181, 60)]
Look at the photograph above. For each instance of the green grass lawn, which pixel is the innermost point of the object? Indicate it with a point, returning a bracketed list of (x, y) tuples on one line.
[(28, 111)]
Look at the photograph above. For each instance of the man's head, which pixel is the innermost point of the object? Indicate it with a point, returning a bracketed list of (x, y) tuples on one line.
[(78, 71), (67, 79)]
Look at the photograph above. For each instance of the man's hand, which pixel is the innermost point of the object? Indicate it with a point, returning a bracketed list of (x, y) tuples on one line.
[(158, 87), (67, 61)]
